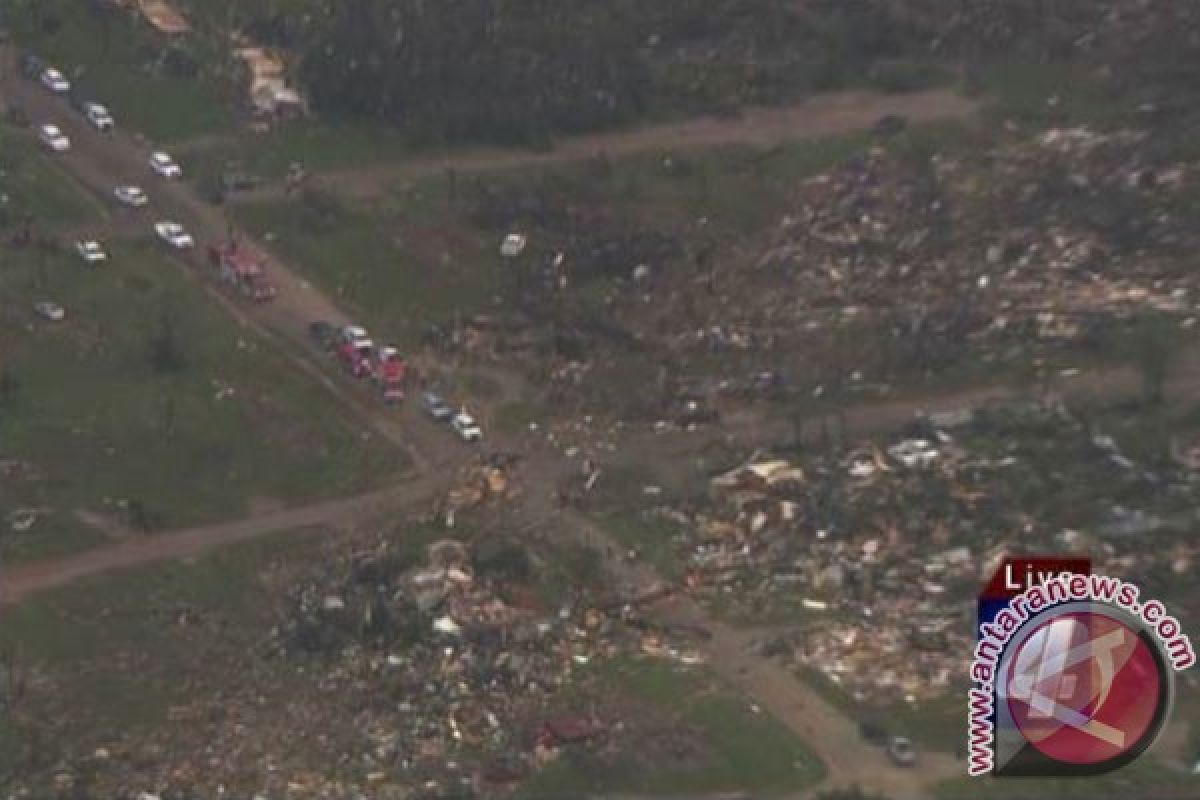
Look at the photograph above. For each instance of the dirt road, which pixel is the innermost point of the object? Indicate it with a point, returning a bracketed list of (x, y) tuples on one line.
[(20, 582), (820, 116)]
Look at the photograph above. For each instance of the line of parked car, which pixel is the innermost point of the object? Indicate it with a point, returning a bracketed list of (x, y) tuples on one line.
[(386, 368), (98, 116)]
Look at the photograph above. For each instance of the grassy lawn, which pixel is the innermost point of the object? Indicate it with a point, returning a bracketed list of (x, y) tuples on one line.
[(651, 536), (397, 277), (165, 91), (1051, 93), (34, 186), (939, 724), (316, 144), (741, 750), (102, 419), (114, 654)]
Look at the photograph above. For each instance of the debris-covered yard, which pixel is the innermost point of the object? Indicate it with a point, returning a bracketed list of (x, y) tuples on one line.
[(763, 282), (415, 663), (861, 563)]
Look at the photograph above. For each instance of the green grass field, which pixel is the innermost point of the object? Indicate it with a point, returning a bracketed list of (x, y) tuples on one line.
[(1050, 93), (315, 144), (167, 91), (741, 750), (34, 186), (233, 427), (115, 655), (394, 274)]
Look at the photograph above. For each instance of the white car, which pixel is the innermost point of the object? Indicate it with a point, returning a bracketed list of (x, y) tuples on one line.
[(131, 196), (165, 166), (53, 137), (465, 426), (914, 453), (91, 251), (55, 81), (513, 245), (98, 116), (173, 234), (353, 333), (51, 311)]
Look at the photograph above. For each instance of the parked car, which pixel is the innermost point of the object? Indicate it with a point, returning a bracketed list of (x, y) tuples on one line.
[(695, 411), (164, 165), (513, 245), (348, 334), (355, 355), (873, 732), (91, 251), (239, 181), (173, 234), (465, 426), (324, 334), (53, 137), (354, 349), (902, 752), (436, 407), (131, 196), (914, 453), (55, 81), (389, 372), (50, 311), (98, 116), (889, 125), (32, 67)]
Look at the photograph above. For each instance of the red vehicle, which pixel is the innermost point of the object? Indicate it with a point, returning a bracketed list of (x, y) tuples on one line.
[(389, 373), (355, 355), (241, 269)]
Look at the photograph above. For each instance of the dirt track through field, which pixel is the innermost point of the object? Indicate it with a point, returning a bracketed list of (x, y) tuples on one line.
[(20, 582), (818, 117)]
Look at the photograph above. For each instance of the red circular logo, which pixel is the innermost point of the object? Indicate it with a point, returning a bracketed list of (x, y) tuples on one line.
[(1086, 688)]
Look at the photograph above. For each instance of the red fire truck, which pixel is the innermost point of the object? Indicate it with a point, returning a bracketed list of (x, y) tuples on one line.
[(240, 268)]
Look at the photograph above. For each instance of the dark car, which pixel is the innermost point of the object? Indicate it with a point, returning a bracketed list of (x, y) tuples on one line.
[(695, 411), (902, 751), (32, 66), (436, 407), (323, 333), (239, 181), (889, 125), (78, 99), (874, 732)]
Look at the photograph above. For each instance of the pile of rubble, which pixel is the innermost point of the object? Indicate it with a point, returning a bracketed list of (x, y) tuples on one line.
[(405, 678), (477, 483), (903, 261), (450, 678), (1074, 222), (880, 550)]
